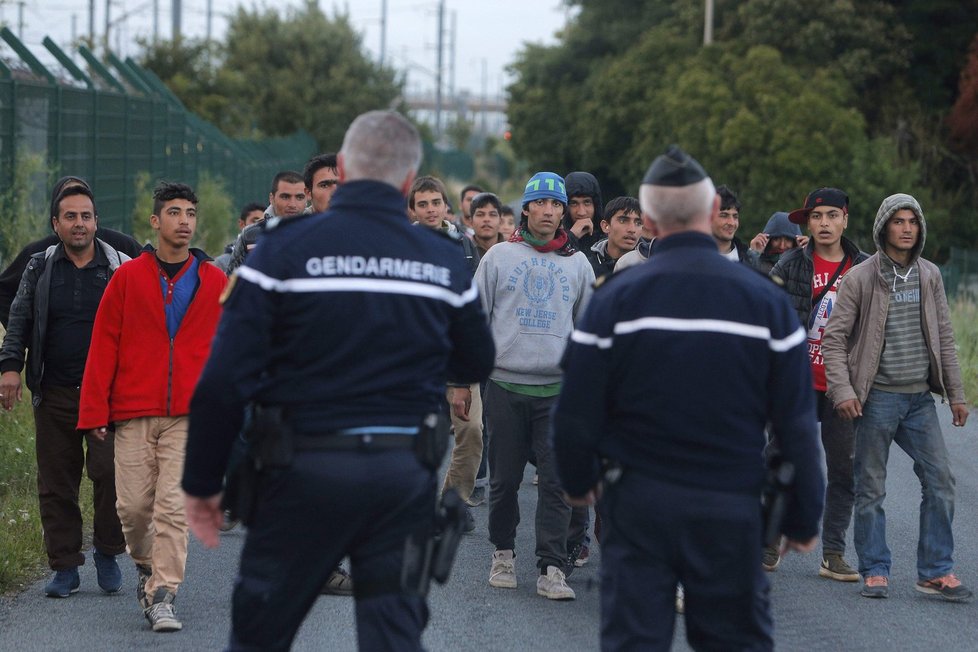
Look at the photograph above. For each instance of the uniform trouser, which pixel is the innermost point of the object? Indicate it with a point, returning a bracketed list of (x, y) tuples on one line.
[(467, 452), (60, 448), (655, 535), (518, 424), (293, 544), (838, 441), (149, 454)]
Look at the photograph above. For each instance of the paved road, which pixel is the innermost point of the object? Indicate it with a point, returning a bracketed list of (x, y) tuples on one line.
[(810, 613)]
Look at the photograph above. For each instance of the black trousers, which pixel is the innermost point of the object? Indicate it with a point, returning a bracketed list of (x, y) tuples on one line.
[(61, 457), (327, 505), (519, 426), (655, 535)]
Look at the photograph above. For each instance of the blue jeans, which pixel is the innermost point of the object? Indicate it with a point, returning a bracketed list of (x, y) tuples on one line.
[(911, 421)]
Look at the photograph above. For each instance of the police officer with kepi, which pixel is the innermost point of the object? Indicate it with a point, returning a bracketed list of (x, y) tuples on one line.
[(342, 329), (691, 355)]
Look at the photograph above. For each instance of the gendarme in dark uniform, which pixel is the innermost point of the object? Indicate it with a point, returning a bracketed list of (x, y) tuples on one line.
[(350, 321), (691, 355)]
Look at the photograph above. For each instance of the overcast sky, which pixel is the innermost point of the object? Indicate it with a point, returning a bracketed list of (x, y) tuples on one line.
[(487, 30)]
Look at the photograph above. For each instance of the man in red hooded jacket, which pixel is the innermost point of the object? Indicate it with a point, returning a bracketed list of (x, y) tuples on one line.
[(150, 341)]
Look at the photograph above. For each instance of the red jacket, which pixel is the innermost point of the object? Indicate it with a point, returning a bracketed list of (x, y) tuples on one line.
[(133, 369)]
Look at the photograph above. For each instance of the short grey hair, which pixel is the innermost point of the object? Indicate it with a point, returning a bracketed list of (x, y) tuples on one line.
[(382, 146), (678, 205)]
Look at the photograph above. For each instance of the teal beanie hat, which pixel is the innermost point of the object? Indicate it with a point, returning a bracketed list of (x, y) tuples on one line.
[(545, 185)]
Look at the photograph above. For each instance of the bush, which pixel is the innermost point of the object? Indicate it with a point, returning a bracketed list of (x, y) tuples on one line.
[(24, 205)]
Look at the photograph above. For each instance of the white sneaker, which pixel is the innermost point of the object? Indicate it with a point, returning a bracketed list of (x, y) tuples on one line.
[(680, 599), (502, 574), (553, 585)]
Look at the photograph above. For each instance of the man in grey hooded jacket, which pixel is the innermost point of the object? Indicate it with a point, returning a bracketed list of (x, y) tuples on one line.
[(888, 345)]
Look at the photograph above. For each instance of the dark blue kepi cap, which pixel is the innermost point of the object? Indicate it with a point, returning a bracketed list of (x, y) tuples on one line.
[(674, 168)]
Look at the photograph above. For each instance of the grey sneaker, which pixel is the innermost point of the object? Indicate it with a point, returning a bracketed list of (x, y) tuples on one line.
[(502, 573), (948, 587), (835, 567), (875, 586), (477, 497), (161, 614), (553, 585)]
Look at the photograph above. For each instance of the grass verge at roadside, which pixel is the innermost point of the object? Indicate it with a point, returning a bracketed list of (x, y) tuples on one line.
[(964, 318), (22, 558)]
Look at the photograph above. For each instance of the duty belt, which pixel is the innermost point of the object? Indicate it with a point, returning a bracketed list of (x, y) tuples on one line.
[(339, 442)]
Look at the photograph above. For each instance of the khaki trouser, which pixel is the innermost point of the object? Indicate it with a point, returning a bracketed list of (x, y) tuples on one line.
[(467, 453), (149, 454)]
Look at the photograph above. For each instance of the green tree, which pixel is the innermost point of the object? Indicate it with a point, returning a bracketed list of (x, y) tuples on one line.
[(277, 73)]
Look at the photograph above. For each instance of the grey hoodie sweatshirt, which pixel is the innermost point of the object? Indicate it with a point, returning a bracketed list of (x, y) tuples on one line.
[(904, 362), (532, 300)]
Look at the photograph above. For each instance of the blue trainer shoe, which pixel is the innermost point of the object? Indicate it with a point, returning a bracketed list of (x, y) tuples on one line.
[(64, 583), (107, 570)]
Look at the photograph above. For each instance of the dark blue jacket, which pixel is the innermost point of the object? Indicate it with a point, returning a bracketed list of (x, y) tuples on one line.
[(347, 319), (689, 357)]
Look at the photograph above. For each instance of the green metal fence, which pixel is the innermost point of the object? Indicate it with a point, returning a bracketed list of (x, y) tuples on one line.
[(115, 120), (960, 274)]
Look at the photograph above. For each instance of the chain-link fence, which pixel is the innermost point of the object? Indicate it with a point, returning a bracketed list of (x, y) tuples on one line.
[(960, 274), (115, 120)]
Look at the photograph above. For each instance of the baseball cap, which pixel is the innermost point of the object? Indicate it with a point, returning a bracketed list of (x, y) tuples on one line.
[(820, 197)]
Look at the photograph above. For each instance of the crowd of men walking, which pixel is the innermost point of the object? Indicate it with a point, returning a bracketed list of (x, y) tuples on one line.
[(635, 351)]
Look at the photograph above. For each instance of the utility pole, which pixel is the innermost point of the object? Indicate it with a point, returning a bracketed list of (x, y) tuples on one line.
[(20, 20), (451, 63), (177, 9), (91, 23), (156, 21), (485, 93), (438, 67), (383, 30), (105, 37), (210, 18), (708, 23)]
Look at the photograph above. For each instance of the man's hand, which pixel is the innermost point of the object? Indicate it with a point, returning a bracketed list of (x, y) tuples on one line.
[(204, 515), (759, 242), (850, 409), (588, 499), (580, 228), (798, 546), (959, 414), (99, 433), (10, 390), (801, 241), (461, 400)]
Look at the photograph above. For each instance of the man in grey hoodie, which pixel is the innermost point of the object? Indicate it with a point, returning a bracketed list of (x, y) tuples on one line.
[(534, 289), (888, 345)]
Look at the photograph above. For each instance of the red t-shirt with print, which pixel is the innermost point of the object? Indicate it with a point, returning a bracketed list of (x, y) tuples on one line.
[(819, 316)]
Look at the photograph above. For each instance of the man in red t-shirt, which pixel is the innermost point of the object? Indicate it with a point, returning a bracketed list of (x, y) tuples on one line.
[(811, 275)]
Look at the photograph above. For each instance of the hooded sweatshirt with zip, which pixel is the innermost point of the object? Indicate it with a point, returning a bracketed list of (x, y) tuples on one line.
[(134, 367), (891, 326)]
